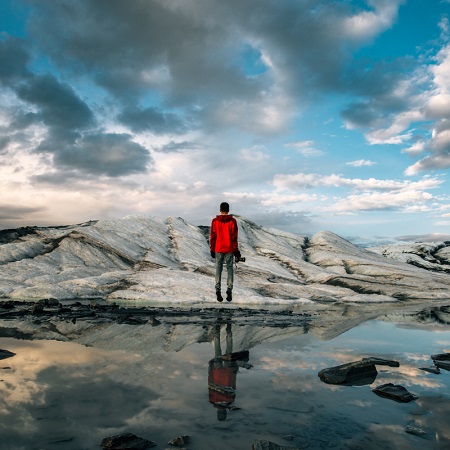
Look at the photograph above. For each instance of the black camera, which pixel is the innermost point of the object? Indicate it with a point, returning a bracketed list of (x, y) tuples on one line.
[(239, 259)]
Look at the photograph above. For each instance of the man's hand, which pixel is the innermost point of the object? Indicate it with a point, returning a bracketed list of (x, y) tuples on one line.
[(237, 254), (213, 254)]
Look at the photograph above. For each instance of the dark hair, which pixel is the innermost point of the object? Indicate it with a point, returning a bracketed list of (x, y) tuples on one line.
[(225, 207)]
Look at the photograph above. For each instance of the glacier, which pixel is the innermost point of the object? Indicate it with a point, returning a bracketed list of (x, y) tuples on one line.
[(155, 260)]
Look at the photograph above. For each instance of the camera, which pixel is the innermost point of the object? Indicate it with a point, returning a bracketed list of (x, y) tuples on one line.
[(239, 259)]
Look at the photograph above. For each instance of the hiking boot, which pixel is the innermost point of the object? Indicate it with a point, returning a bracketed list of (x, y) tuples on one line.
[(229, 296), (219, 296)]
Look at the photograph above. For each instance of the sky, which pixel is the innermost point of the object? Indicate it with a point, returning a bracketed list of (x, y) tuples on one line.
[(304, 115)]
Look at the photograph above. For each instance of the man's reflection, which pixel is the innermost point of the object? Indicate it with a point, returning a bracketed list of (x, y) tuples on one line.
[(222, 372)]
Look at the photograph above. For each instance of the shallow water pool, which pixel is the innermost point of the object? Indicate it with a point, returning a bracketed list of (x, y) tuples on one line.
[(65, 395)]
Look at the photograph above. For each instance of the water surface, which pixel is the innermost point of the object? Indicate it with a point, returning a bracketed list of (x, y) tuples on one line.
[(64, 395)]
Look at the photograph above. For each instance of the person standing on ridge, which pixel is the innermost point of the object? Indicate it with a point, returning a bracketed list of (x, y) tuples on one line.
[(223, 243)]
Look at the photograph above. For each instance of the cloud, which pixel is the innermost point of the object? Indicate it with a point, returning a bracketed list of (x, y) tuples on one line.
[(254, 154), (15, 58), (429, 163), (151, 119), (365, 25), (365, 194), (190, 54), (360, 163), (173, 146), (71, 133), (10, 212), (305, 148), (57, 103), (416, 148), (435, 237), (105, 154), (307, 181), (381, 201), (410, 98), (170, 104), (4, 141)]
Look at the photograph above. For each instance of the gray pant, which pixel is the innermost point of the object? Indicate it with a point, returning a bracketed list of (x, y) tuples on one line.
[(228, 259)]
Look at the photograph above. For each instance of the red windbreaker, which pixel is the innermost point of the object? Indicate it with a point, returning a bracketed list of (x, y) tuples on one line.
[(223, 237)]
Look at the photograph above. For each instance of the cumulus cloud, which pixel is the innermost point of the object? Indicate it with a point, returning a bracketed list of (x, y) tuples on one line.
[(71, 133), (364, 194), (381, 201), (190, 53), (366, 25), (151, 119), (57, 104), (196, 93), (105, 154), (408, 99), (310, 180)]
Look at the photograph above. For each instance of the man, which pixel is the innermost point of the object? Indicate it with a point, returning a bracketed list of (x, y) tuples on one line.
[(223, 243)]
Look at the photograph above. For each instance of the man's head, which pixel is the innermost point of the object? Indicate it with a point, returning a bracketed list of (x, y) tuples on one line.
[(221, 414), (224, 207)]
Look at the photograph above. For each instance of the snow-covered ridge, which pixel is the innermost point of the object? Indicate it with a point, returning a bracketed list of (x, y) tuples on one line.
[(167, 260)]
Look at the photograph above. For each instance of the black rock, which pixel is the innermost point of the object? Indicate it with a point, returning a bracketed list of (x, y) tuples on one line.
[(350, 374), (443, 365), (7, 305), (131, 320), (382, 361), (416, 431), (154, 322), (180, 441), (48, 301), (267, 445), (441, 357), (126, 441), (433, 369), (6, 354), (442, 360), (395, 392), (37, 308)]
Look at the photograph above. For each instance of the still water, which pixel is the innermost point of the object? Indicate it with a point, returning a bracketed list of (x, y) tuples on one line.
[(64, 395)]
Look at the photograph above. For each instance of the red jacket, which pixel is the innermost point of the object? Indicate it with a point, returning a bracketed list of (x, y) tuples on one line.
[(224, 377), (223, 237)]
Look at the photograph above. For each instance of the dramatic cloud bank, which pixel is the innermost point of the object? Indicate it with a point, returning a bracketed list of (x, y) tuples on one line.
[(299, 113)]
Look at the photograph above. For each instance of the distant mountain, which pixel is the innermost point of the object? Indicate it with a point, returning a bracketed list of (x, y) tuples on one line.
[(167, 260)]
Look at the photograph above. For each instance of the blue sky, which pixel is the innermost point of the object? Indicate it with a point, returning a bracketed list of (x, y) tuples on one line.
[(304, 115)]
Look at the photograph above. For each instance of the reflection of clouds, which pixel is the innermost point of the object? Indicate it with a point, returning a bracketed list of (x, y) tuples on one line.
[(283, 361), (410, 376), (60, 390), (445, 344), (116, 390), (361, 403), (437, 422), (393, 428), (34, 356), (416, 357)]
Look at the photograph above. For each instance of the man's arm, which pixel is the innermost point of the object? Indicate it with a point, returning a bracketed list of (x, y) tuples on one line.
[(234, 236), (212, 238)]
